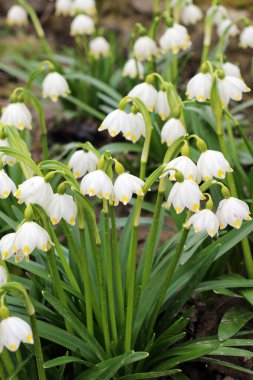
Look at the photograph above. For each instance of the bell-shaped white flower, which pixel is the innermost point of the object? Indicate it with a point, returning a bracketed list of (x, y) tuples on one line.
[(172, 130), (99, 47), (175, 38), (82, 162), (13, 331), (133, 69), (5, 158), (227, 26), (146, 93), (219, 12), (86, 6), (7, 245), (204, 220), (17, 15), (162, 105), (116, 122), (125, 186), (82, 25), (54, 85), (231, 88), (185, 165), (232, 211), (199, 87), (97, 183), (34, 190), (30, 236), (17, 115), (212, 163), (231, 70), (185, 194), (190, 14), (145, 48), (136, 127), (63, 7), (62, 206), (246, 37), (3, 275), (7, 186)]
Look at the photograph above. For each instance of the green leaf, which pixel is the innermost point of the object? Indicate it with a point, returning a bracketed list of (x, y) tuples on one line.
[(226, 364), (231, 351), (232, 321), (150, 375), (62, 360)]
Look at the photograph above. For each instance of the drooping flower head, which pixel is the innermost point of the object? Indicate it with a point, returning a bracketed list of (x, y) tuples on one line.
[(185, 165), (17, 15), (82, 162), (136, 127), (231, 70), (34, 190), (5, 158), (99, 47), (13, 331), (97, 183), (82, 25), (146, 93), (219, 13), (86, 6), (246, 37), (162, 105), (199, 87), (63, 7), (145, 48), (175, 38), (7, 186), (55, 85), (230, 87), (133, 69), (204, 220), (62, 206), (190, 14), (125, 186), (212, 163), (17, 115), (116, 122), (172, 130), (227, 26), (232, 211)]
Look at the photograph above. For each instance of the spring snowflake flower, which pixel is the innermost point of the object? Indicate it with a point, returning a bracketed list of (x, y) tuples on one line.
[(231, 70), (162, 105), (185, 165), (133, 69), (199, 87), (5, 158), (190, 14), (212, 163), (7, 186), (246, 37), (97, 183), (204, 220), (232, 211), (116, 122), (13, 331), (228, 27), (145, 48), (17, 115), (54, 85), (17, 15), (183, 195), (172, 130), (175, 38), (219, 12), (86, 6), (82, 25), (34, 190), (99, 47), (7, 245), (136, 127), (82, 162), (231, 88), (63, 7), (146, 93), (125, 186), (3, 275), (62, 206)]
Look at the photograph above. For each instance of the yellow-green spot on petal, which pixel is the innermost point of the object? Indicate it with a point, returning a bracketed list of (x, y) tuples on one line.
[(54, 221), (5, 254), (220, 173), (91, 191), (29, 338), (13, 347), (196, 207), (26, 250), (211, 232), (178, 209), (124, 199), (237, 224), (197, 229), (44, 248), (72, 220)]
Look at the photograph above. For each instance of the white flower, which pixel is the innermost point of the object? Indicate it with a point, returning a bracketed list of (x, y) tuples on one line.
[(54, 85), (34, 190), (99, 47), (162, 105), (183, 195), (7, 186), (227, 26), (7, 245), (199, 87), (81, 25), (204, 220), (30, 236), (136, 127), (86, 6), (185, 165), (18, 115), (145, 48), (212, 163), (62, 206), (246, 37), (133, 69), (63, 7), (219, 13), (3, 275), (17, 16), (146, 93), (232, 211), (116, 122), (5, 158), (175, 38), (231, 70), (125, 186), (190, 14), (231, 88), (172, 130), (82, 162), (13, 331), (97, 183)]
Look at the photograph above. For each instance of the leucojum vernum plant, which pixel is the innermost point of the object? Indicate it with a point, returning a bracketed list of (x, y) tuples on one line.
[(80, 297)]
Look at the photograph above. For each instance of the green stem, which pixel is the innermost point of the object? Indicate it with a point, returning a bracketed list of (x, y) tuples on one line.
[(174, 68), (3, 374), (8, 363), (37, 348), (156, 7)]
